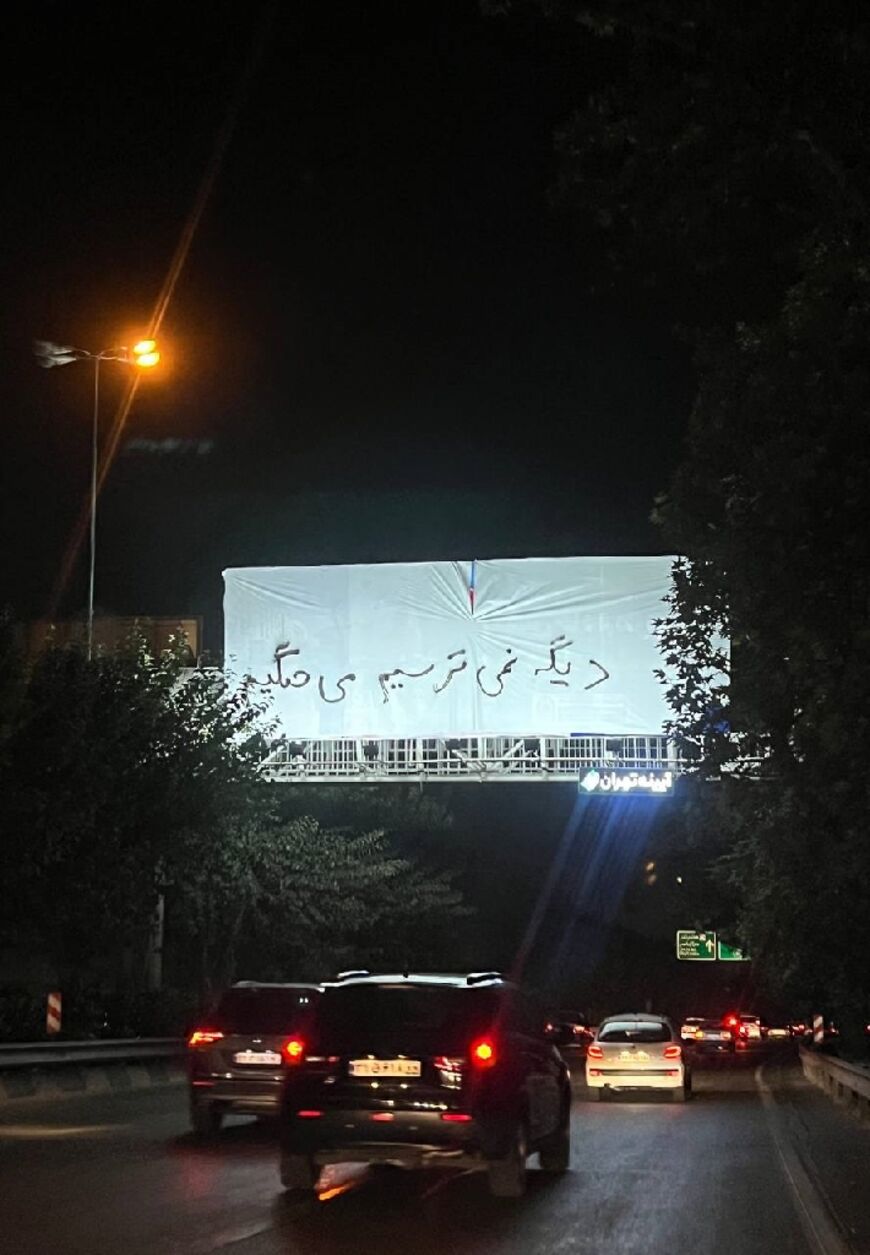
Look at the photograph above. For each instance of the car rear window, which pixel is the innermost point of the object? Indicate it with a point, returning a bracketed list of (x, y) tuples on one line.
[(632, 1030), (263, 1010), (406, 1016)]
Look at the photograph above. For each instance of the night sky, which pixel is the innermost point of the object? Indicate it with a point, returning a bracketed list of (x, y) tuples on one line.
[(387, 344)]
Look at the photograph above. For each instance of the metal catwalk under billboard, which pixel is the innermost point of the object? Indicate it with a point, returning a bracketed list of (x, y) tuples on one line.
[(508, 647)]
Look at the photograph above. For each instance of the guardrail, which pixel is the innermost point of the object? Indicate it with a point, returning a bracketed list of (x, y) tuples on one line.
[(57, 1069), (40, 1054), (847, 1083)]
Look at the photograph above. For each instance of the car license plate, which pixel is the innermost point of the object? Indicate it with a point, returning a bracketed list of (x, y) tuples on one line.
[(257, 1056), (384, 1067), (714, 1037)]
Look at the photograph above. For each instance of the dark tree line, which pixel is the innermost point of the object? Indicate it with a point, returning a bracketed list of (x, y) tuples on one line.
[(129, 781), (722, 165)]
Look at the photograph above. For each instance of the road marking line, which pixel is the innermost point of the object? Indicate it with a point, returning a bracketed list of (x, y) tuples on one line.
[(35, 1131), (445, 1181), (821, 1230)]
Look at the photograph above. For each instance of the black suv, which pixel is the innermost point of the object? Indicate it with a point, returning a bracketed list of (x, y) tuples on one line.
[(236, 1055), (417, 1071)]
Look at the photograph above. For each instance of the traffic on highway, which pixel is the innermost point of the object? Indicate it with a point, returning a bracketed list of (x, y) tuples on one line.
[(388, 1113)]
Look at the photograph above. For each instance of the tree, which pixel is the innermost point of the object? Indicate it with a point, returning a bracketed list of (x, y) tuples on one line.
[(289, 899), (130, 778), (724, 160), (111, 764)]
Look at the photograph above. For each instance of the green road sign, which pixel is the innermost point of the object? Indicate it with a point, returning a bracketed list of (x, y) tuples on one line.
[(730, 954), (700, 947)]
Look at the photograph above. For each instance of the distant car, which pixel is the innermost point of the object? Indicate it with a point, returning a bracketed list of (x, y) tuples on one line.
[(569, 1031), (778, 1032), (634, 1051), (426, 1071), (236, 1059), (749, 1029), (712, 1037), (689, 1025), (746, 1029)]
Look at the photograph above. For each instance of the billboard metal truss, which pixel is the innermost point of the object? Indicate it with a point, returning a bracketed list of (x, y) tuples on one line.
[(485, 758)]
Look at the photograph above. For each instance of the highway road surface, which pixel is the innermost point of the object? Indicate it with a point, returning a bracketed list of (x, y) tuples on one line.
[(757, 1164)]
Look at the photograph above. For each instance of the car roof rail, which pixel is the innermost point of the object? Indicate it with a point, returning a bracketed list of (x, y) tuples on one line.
[(476, 978), (352, 973)]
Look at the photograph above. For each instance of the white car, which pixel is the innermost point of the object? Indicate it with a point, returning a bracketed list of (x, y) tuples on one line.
[(634, 1051)]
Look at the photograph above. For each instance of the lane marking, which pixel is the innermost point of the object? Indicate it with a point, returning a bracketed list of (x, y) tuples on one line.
[(820, 1228), (232, 1237), (36, 1131), (445, 1181)]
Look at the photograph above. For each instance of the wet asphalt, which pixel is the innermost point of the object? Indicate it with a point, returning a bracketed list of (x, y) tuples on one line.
[(122, 1175)]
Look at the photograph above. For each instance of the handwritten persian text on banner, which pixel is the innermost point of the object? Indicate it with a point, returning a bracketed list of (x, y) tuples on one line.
[(512, 647)]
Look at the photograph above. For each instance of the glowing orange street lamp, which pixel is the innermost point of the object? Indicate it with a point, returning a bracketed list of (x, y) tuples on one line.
[(143, 354)]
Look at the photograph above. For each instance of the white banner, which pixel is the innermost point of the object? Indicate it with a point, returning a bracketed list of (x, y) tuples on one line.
[(509, 647)]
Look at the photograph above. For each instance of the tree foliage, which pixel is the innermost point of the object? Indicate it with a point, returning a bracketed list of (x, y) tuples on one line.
[(288, 899), (110, 765), (726, 160), (129, 779)]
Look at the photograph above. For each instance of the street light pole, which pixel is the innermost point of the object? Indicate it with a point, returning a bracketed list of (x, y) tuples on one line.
[(144, 355), (98, 357)]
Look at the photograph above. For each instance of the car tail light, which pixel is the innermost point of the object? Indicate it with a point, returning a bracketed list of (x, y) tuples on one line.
[(309, 1114), (455, 1117), (292, 1050), (594, 1052), (731, 1021), (483, 1053), (204, 1037), (383, 1117), (673, 1052)]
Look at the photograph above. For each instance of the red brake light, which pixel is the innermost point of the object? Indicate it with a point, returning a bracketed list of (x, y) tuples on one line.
[(483, 1053), (383, 1117), (673, 1052), (309, 1114), (731, 1021), (204, 1036), (594, 1052), (293, 1050), (455, 1117)]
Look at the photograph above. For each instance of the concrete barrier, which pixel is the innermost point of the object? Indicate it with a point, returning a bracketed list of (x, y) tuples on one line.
[(65, 1069), (846, 1083)]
